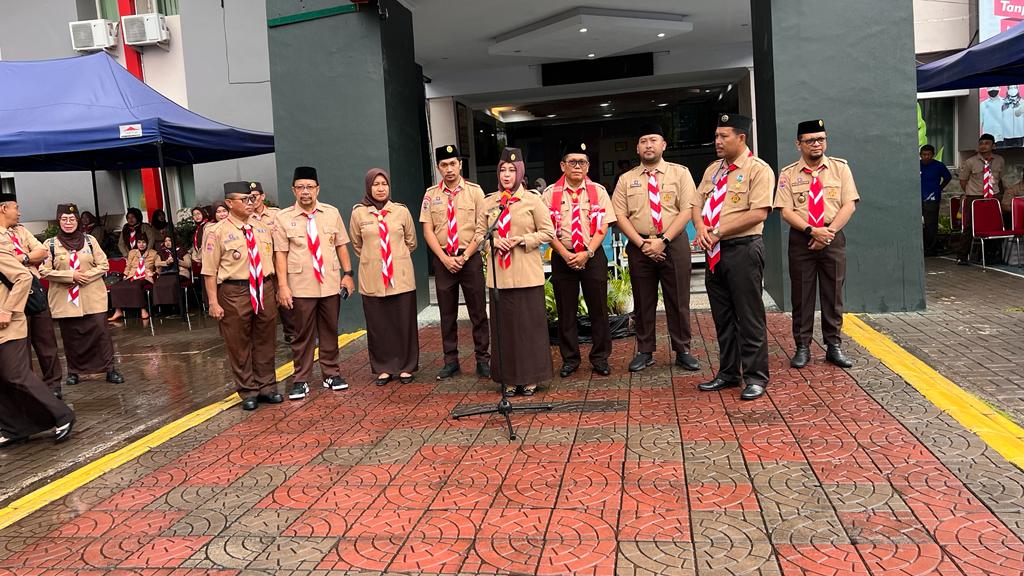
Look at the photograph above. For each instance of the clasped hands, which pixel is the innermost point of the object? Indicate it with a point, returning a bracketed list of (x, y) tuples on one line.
[(821, 238)]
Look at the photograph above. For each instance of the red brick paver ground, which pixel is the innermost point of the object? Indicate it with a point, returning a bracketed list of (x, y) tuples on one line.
[(629, 475)]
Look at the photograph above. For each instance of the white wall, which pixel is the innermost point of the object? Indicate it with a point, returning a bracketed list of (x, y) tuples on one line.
[(941, 25)]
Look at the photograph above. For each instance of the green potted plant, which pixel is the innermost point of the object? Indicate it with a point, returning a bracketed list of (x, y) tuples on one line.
[(620, 309)]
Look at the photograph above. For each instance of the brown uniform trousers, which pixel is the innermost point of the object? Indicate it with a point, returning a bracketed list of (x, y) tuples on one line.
[(817, 270), (446, 284), (27, 407), (249, 337), (316, 319), (44, 342), (674, 276), (593, 280)]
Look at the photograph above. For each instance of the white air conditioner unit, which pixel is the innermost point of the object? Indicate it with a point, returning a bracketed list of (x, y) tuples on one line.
[(147, 7), (93, 35), (145, 29)]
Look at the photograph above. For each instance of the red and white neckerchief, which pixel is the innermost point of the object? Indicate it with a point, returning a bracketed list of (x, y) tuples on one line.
[(986, 180), (75, 265), (452, 247), (505, 226), (387, 266), (313, 242), (815, 199), (712, 211), (578, 244), (654, 197), (132, 242), (140, 270), (596, 211), (19, 250), (255, 270), (195, 236)]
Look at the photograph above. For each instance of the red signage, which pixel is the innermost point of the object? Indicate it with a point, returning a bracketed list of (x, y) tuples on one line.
[(1009, 8)]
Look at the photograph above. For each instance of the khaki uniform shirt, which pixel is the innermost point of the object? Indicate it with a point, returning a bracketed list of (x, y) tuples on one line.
[(133, 263), (564, 231), (226, 254), (146, 229), (29, 243), (366, 243), (290, 236), (268, 218), (836, 184), (749, 188), (974, 168), (92, 296), (13, 300), (631, 201), (531, 220), (468, 204)]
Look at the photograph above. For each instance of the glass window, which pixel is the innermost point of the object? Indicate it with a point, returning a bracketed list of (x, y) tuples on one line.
[(936, 125), (169, 7), (107, 9)]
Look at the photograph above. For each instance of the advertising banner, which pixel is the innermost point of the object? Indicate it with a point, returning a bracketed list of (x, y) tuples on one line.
[(1002, 112)]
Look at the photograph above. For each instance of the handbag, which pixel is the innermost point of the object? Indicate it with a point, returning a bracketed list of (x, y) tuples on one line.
[(37, 302)]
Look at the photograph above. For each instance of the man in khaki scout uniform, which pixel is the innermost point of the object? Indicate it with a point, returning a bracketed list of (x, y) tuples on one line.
[(448, 215), (310, 251), (981, 176), (734, 198), (652, 203), (580, 214), (266, 215), (817, 197), (15, 238), (238, 270)]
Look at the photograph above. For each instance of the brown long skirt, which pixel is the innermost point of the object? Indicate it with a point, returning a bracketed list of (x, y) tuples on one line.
[(87, 344), (166, 290), (392, 337), (524, 349), (27, 406), (128, 294)]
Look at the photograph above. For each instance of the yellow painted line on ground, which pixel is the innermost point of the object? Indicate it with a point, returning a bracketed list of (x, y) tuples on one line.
[(996, 430), (63, 486)]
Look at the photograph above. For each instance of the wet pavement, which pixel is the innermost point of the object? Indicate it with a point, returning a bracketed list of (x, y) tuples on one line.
[(833, 472)]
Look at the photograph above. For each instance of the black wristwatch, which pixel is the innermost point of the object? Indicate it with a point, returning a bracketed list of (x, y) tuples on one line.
[(664, 239), (808, 230), (25, 259), (347, 273)]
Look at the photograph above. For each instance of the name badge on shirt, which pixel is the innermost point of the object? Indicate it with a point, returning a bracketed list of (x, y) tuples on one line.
[(634, 184)]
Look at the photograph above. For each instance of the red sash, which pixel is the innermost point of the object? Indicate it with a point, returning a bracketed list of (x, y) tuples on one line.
[(596, 213)]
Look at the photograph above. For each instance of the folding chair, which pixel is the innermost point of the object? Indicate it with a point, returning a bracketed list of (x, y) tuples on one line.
[(987, 223), (1017, 225)]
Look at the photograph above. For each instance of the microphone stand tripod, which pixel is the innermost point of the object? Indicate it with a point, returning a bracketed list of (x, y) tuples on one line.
[(504, 407)]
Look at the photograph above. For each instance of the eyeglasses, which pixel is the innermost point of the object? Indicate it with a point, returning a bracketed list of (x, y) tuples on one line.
[(812, 141), (245, 199), (68, 220), (578, 163), (306, 187)]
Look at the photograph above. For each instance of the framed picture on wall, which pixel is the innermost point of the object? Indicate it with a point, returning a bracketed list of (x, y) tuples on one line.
[(608, 168), (620, 146), (463, 129)]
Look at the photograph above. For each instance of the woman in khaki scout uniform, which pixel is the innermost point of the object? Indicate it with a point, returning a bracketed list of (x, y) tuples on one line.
[(138, 277), (83, 329), (386, 280), (817, 197), (130, 232), (200, 219), (523, 355), (167, 285), (27, 406)]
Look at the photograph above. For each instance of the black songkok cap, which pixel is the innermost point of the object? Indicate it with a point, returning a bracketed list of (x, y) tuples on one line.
[(650, 128), (62, 209), (256, 187), (8, 198), (737, 121), (236, 188), (577, 147), (511, 155), (305, 173), (445, 152), (810, 127)]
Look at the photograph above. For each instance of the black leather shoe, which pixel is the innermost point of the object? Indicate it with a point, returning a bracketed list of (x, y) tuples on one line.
[(250, 403), (835, 356), (686, 361), (752, 392), (71, 380), (406, 379), (483, 369), (448, 370), (568, 369), (641, 361), (382, 380), (273, 398), (114, 377), (801, 357), (7, 442), (603, 369), (63, 432), (716, 384)]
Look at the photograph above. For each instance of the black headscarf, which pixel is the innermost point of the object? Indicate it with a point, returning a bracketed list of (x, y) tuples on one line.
[(126, 229), (72, 241), (159, 220), (368, 199)]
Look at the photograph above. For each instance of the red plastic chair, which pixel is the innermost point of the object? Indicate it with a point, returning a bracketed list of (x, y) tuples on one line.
[(1017, 225), (987, 223), (955, 215), (117, 265)]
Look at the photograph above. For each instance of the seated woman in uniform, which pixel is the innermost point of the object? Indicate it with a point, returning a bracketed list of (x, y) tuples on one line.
[(167, 285), (132, 229), (384, 237), (74, 267), (161, 228), (200, 218), (138, 276), (522, 357)]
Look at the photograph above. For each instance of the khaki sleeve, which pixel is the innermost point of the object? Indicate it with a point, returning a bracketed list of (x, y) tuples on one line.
[(410, 231), (20, 279), (100, 263), (357, 237), (481, 208), (619, 205), (212, 253), (30, 241), (783, 194), (279, 232), (481, 225), (761, 185), (542, 221), (342, 237), (688, 198), (849, 192), (46, 269), (425, 208), (605, 203)]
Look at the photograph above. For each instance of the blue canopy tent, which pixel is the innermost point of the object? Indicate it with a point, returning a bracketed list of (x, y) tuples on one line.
[(997, 61), (89, 113)]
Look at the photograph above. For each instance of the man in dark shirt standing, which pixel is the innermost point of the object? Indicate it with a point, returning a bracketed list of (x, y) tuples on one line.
[(934, 177)]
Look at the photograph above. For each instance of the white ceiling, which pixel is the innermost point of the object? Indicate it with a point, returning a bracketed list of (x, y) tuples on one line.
[(453, 35)]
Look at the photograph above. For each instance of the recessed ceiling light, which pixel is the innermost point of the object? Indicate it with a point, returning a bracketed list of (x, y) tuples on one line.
[(552, 115), (603, 104), (481, 131), (583, 30), (607, 115), (591, 55), (707, 91), (661, 35), (663, 104)]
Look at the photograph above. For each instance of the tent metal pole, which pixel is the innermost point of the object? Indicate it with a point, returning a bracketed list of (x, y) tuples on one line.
[(95, 195), (170, 224)]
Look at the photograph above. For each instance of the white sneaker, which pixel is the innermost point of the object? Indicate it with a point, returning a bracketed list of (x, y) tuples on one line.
[(335, 383)]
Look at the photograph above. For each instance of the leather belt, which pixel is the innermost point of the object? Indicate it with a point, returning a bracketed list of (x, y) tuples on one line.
[(244, 282), (739, 241)]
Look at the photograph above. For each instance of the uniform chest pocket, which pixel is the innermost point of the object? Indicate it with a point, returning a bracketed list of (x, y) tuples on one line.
[(636, 198), (465, 213), (831, 191), (297, 236), (329, 235)]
